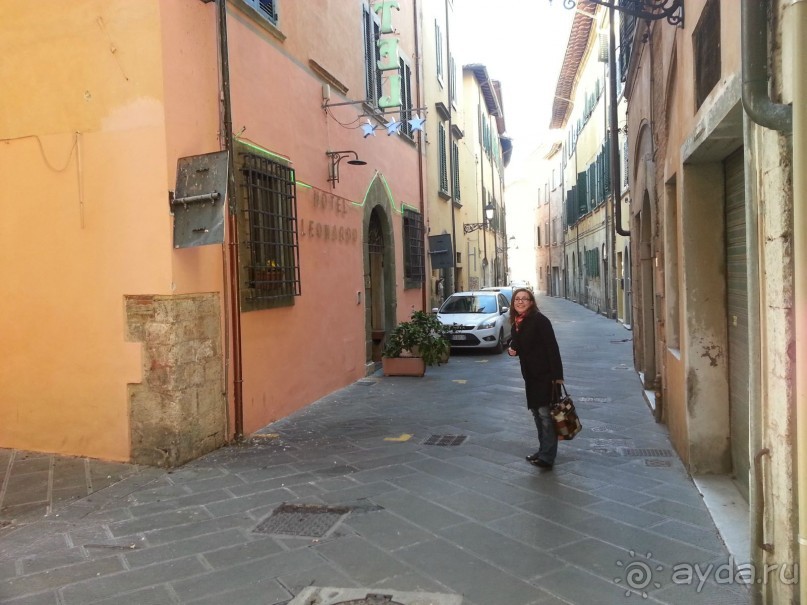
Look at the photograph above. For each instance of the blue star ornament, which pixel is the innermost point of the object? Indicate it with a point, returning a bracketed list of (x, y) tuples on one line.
[(393, 126), (368, 129), (417, 123)]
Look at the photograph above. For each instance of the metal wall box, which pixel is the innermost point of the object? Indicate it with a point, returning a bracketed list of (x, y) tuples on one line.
[(199, 200), (441, 251)]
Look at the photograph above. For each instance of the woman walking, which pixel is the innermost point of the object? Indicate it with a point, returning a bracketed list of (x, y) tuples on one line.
[(533, 340)]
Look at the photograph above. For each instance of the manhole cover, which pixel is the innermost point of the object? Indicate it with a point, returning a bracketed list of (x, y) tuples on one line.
[(371, 599), (593, 399), (329, 595), (654, 462), (646, 453), (310, 520), (445, 440)]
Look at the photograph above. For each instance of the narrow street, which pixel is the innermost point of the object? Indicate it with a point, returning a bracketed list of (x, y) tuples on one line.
[(410, 485)]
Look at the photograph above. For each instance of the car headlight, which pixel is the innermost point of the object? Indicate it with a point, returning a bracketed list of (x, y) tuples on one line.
[(487, 324)]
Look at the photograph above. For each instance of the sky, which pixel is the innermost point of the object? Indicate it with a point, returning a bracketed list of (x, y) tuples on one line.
[(522, 44)]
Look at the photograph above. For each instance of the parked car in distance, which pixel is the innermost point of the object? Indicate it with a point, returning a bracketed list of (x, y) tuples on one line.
[(478, 319), (506, 290), (516, 284)]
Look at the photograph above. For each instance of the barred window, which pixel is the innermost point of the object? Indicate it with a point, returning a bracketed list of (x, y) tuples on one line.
[(414, 267), (270, 259)]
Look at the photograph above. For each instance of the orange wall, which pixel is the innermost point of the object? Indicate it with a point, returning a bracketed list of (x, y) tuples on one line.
[(87, 220), (295, 355), (85, 216)]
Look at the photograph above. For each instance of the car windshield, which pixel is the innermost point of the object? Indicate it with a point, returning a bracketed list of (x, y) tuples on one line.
[(471, 303)]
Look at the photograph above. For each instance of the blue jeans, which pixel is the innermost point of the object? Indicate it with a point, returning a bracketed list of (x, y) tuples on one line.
[(547, 438)]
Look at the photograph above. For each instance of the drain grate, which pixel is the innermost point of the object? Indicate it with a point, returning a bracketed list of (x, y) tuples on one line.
[(309, 520), (445, 440), (654, 462), (593, 399), (646, 452)]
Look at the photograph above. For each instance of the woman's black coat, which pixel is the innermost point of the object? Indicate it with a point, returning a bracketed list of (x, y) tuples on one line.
[(538, 352)]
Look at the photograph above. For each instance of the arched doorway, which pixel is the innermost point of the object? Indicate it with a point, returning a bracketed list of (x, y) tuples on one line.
[(379, 272)]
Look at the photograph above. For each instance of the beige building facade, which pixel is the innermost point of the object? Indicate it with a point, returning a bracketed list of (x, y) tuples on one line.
[(716, 157), (595, 257)]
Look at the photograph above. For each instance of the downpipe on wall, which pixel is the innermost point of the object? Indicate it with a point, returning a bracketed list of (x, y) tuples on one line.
[(799, 19), (763, 111)]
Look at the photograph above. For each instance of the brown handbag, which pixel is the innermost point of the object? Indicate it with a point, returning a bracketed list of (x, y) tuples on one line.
[(567, 422)]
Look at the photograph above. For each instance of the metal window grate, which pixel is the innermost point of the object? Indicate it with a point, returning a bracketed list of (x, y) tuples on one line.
[(414, 249), (273, 269), (445, 440)]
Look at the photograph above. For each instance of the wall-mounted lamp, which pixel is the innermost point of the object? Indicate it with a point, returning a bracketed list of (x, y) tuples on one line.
[(489, 211), (338, 156)]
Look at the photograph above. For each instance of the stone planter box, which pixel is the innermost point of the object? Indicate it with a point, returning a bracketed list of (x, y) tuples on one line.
[(403, 366)]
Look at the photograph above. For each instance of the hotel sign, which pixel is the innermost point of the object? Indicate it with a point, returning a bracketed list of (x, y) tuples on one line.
[(388, 53)]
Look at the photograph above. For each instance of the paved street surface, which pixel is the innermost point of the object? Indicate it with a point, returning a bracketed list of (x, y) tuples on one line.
[(415, 488)]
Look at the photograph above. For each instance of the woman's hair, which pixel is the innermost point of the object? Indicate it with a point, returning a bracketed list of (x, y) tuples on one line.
[(513, 312)]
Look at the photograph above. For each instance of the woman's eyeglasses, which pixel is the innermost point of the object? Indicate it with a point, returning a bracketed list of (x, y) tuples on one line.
[(519, 299)]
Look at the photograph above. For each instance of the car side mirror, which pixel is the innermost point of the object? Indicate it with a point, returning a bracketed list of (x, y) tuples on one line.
[(505, 309), (435, 310)]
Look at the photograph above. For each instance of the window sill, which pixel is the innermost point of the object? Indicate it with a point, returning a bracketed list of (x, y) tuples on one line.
[(444, 194)]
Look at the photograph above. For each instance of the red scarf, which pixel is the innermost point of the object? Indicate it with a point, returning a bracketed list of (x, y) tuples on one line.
[(519, 318)]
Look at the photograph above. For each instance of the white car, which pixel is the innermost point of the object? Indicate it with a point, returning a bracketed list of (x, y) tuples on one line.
[(479, 319), (506, 290)]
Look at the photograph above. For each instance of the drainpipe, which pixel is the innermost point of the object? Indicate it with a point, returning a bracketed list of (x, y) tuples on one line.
[(799, 17), (763, 111), (616, 180), (757, 103), (422, 201), (232, 222), (450, 153)]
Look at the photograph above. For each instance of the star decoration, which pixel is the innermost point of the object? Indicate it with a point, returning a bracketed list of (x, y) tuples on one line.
[(393, 126), (368, 129), (417, 123)]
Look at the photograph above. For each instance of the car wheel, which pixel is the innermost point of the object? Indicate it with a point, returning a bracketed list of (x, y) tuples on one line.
[(499, 343)]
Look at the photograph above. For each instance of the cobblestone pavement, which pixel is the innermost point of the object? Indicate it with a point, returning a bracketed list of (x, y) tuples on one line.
[(391, 486)]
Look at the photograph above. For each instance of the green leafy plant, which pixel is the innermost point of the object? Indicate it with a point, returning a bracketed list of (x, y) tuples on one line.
[(422, 336)]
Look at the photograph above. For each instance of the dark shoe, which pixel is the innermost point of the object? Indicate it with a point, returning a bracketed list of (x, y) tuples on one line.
[(532, 457), (541, 464)]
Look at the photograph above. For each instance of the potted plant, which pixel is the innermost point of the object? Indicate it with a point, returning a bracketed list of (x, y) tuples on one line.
[(414, 344)]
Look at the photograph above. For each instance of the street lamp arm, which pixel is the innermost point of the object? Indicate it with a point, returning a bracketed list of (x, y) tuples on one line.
[(652, 10)]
